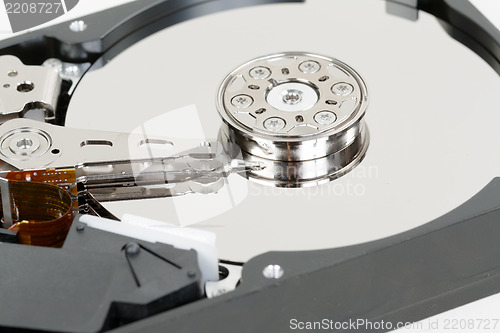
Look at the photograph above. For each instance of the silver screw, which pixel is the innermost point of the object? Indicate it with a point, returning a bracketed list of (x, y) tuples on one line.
[(274, 124), (325, 117), (309, 67), (292, 96), (78, 26), (132, 249), (273, 272), (342, 89), (260, 73), (242, 101)]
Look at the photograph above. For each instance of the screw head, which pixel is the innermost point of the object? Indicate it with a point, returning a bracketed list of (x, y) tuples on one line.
[(309, 67), (80, 227), (273, 272), (325, 117), (342, 89), (132, 249), (292, 96), (78, 26), (274, 124), (260, 73), (242, 101)]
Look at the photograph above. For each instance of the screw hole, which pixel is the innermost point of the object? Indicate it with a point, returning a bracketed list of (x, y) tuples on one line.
[(25, 87), (331, 102), (285, 71), (260, 111), (223, 272), (323, 78), (55, 151), (12, 73), (299, 119), (253, 87), (6, 85)]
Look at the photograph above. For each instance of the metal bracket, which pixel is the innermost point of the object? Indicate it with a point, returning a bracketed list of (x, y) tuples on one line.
[(24, 88), (68, 71), (28, 144)]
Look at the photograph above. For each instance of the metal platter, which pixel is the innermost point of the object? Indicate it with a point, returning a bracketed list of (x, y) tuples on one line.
[(432, 121)]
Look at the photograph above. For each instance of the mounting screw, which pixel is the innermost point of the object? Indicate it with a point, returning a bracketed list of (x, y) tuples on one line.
[(325, 117), (132, 249), (309, 67), (260, 73), (80, 227), (273, 272), (274, 124), (78, 26), (242, 101), (191, 274), (342, 89), (292, 96)]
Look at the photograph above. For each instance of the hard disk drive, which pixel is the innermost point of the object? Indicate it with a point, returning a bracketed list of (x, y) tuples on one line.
[(250, 166)]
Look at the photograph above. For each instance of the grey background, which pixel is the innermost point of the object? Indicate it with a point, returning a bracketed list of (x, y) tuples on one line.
[(26, 20)]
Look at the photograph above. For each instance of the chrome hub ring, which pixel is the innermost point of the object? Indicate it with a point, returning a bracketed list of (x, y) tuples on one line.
[(294, 111)]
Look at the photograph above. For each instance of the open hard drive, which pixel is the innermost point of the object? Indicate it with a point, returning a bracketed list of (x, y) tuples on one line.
[(250, 166)]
